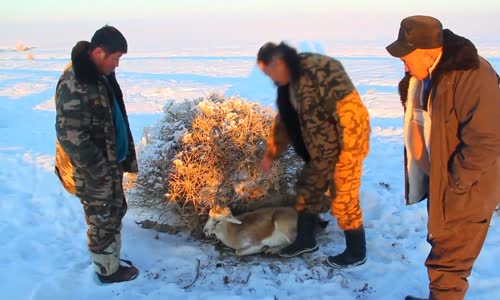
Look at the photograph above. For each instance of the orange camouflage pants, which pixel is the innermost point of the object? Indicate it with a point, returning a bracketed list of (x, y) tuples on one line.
[(355, 122)]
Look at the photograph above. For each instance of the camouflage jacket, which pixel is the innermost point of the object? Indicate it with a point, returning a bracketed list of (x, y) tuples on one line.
[(322, 83), (86, 162)]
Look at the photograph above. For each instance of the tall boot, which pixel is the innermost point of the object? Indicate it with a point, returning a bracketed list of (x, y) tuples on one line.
[(107, 264), (305, 241), (355, 252)]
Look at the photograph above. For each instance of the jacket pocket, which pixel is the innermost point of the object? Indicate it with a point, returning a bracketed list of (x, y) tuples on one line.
[(102, 188), (463, 207), (454, 204)]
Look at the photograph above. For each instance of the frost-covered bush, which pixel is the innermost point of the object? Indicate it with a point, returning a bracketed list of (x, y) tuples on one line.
[(206, 152)]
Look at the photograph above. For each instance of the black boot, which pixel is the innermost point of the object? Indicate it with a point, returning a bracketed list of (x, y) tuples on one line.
[(355, 252), (305, 241), (124, 273), (414, 298)]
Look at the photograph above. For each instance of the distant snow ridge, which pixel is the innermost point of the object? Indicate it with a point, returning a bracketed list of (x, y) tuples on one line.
[(22, 47), (43, 161), (20, 90), (311, 46)]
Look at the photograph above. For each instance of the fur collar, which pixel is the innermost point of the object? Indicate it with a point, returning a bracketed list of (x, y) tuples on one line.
[(459, 54), (85, 70)]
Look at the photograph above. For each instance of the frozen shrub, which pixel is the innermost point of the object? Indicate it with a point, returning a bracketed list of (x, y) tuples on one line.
[(206, 152)]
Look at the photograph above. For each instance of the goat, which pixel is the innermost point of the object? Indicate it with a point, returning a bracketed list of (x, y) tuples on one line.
[(265, 229)]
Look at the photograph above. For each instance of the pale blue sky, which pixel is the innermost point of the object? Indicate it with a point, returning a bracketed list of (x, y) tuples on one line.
[(153, 22), (25, 10)]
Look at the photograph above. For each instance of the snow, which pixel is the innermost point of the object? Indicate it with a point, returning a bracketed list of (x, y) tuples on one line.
[(43, 253)]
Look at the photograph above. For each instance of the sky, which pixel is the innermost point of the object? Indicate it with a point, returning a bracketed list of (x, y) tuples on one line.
[(198, 23)]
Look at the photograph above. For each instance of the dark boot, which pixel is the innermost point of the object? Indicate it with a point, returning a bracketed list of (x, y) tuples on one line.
[(414, 298), (124, 273), (305, 241), (355, 252)]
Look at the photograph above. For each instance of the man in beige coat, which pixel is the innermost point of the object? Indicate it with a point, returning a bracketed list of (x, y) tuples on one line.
[(451, 97)]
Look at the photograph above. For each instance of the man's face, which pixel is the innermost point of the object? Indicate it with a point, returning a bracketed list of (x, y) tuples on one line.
[(277, 70), (106, 63), (418, 62)]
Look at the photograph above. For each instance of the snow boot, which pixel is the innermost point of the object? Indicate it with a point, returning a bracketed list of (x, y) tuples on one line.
[(305, 241), (355, 252), (124, 273)]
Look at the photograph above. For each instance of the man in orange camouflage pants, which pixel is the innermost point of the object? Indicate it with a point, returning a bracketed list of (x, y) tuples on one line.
[(321, 114)]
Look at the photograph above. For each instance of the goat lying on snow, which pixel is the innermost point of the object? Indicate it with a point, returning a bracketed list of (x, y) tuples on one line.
[(265, 229)]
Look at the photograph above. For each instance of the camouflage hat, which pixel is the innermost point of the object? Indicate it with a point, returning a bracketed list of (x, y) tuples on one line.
[(417, 32)]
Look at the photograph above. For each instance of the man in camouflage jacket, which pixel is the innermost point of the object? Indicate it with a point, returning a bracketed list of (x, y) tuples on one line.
[(321, 114), (94, 146)]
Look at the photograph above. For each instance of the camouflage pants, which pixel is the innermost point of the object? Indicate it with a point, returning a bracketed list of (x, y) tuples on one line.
[(355, 122), (104, 220)]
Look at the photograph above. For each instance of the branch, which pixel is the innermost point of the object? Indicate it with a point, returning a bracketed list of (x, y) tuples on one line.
[(248, 278), (197, 275)]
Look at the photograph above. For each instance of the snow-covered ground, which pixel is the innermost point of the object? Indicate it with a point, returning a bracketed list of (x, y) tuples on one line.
[(43, 253)]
